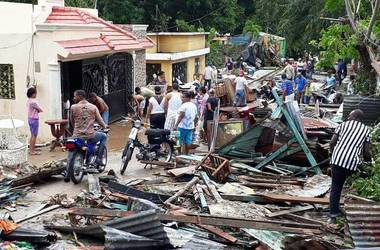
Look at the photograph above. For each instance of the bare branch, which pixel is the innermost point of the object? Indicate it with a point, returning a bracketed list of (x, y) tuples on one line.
[(375, 12), (358, 7), (351, 15)]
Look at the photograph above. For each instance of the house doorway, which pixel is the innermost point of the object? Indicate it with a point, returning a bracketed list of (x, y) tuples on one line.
[(110, 77)]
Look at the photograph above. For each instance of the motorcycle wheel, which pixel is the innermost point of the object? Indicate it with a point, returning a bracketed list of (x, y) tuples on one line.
[(165, 153), (104, 161), (76, 172), (338, 98), (127, 155)]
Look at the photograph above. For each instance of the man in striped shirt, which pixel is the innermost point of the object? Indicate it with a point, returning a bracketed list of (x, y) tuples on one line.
[(351, 140)]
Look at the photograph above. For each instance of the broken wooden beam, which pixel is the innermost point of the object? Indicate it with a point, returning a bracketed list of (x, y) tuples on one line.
[(178, 172), (42, 211), (99, 212), (219, 232), (202, 197), (211, 186), (279, 226), (296, 199), (269, 180), (183, 190), (290, 211)]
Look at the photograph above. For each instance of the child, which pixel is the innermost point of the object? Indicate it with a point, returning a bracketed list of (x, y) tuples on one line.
[(307, 94), (33, 118)]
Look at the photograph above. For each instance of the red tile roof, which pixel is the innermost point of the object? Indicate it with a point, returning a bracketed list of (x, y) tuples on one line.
[(111, 37)]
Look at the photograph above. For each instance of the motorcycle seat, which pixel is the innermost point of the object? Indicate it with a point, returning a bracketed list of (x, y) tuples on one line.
[(157, 132)]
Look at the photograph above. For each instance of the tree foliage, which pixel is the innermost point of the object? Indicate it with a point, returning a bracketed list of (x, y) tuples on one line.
[(251, 27), (336, 42)]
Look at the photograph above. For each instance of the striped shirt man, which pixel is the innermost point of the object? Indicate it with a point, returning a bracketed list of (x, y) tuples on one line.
[(352, 135)]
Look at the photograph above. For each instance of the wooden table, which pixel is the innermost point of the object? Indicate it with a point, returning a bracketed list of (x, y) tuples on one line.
[(57, 128)]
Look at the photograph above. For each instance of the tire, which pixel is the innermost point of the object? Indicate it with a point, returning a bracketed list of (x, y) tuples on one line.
[(104, 161), (168, 154), (127, 155), (338, 98), (76, 172)]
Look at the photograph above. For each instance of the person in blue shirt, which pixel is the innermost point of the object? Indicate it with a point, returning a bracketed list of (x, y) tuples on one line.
[(330, 82), (301, 86), (286, 87)]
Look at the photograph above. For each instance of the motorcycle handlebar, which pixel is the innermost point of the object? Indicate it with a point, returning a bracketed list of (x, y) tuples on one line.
[(133, 120)]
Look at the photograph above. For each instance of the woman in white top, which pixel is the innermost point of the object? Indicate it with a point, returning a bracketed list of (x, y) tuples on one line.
[(156, 112), (172, 103)]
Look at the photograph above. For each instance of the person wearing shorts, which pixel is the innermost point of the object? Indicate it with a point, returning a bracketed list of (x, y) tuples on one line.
[(33, 119), (186, 122)]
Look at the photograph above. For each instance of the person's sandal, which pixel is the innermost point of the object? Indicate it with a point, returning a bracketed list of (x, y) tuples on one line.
[(35, 153)]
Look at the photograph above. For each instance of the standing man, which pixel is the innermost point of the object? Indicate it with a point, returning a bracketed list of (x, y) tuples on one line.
[(350, 140), (156, 113), (208, 76), (286, 87), (101, 105), (160, 79), (186, 122), (172, 102), (342, 71), (83, 117), (240, 94), (301, 83), (289, 71), (139, 101), (229, 66)]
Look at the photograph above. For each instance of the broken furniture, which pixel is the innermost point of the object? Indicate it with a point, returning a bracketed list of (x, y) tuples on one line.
[(218, 168), (57, 128), (285, 150)]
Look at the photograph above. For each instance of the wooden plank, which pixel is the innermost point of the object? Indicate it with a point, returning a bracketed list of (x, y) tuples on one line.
[(177, 172), (244, 198), (43, 211), (242, 223), (296, 199), (160, 163), (269, 180), (99, 212), (303, 219), (219, 232), (289, 211), (183, 190)]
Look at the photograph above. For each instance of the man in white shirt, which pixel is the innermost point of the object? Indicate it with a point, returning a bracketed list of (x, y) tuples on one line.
[(240, 93), (186, 122), (208, 76)]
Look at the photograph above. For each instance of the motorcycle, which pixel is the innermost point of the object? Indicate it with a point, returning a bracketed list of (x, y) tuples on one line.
[(328, 95), (82, 156), (159, 148)]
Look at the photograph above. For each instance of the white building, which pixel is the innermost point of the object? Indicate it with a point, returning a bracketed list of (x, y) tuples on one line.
[(60, 49)]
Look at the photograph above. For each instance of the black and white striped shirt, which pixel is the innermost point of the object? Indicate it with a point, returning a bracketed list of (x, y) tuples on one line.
[(351, 137)]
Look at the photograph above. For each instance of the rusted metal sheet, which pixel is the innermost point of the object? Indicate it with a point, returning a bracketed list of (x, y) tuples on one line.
[(364, 223), (312, 123)]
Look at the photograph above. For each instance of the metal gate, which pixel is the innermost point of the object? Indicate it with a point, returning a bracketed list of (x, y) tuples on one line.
[(110, 77)]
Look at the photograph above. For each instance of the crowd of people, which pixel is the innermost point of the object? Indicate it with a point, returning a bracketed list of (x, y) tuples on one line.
[(186, 111)]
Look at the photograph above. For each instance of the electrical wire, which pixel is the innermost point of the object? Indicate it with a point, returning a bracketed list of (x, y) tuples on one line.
[(16, 44)]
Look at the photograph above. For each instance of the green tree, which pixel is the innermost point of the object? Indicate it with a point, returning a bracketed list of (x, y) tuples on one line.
[(251, 27), (81, 3)]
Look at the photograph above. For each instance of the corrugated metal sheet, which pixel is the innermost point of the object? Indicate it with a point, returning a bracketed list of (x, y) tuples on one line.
[(312, 123), (116, 239), (369, 105), (315, 186), (364, 223), (143, 224)]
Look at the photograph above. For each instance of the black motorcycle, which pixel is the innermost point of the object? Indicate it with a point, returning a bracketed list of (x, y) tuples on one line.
[(159, 148), (82, 156)]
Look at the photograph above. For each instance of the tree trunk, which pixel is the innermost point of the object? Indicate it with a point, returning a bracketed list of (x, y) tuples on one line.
[(367, 70)]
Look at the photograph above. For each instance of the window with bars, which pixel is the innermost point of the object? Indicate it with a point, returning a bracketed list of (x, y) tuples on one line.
[(197, 65), (7, 82)]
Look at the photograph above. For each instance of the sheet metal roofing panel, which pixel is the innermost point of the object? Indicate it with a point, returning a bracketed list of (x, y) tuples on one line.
[(364, 223)]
